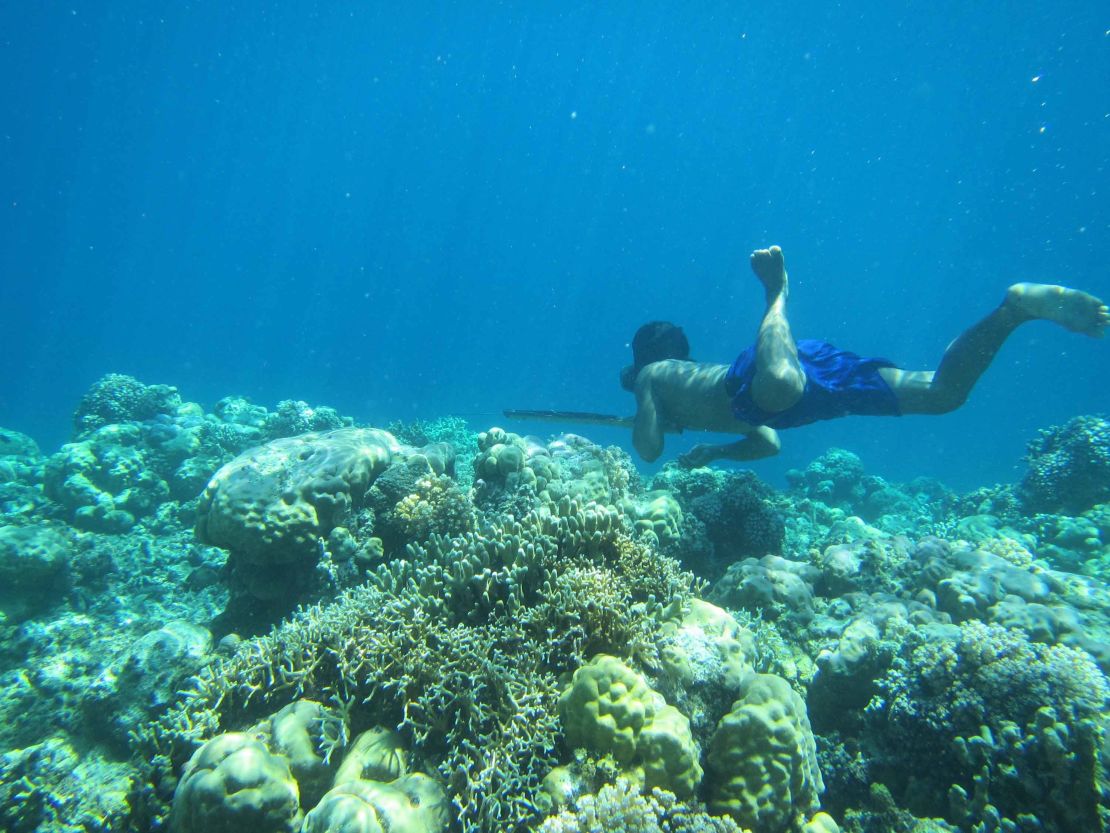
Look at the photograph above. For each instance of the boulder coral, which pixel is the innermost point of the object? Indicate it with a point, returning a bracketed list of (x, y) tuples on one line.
[(234, 783), (410, 804), (763, 759), (271, 506), (117, 398), (609, 708), (34, 561)]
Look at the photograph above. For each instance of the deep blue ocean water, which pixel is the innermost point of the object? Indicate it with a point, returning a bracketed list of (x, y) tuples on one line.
[(467, 207)]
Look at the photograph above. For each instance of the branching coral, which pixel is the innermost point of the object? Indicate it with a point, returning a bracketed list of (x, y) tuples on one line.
[(459, 646), (963, 707)]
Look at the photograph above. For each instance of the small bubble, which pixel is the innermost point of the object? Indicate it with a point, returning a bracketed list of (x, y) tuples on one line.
[(573, 114)]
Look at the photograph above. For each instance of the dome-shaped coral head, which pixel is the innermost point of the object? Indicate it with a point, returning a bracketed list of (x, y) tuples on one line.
[(654, 342)]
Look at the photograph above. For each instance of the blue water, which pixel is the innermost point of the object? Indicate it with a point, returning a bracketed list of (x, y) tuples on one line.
[(410, 213)]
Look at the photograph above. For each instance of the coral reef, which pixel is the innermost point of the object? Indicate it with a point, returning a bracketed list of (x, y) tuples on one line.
[(1069, 467), (727, 515), (233, 782), (497, 632), (116, 399), (609, 709), (1007, 724)]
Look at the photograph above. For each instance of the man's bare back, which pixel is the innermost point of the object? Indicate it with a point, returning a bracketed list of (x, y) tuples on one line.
[(674, 393)]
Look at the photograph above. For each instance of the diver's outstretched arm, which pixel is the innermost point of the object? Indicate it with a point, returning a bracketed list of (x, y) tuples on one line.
[(759, 443)]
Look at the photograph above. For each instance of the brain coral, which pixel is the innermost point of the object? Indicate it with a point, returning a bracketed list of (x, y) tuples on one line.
[(764, 758), (270, 505)]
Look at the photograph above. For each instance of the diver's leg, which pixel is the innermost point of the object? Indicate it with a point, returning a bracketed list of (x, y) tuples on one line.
[(965, 360), (779, 379)]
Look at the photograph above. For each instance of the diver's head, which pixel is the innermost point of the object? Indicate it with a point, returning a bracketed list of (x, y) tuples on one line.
[(654, 342)]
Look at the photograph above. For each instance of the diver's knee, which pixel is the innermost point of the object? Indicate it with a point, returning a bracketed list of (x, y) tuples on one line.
[(775, 392), (943, 402)]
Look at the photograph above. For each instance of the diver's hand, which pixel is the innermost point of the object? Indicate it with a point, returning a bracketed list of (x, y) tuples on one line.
[(700, 455)]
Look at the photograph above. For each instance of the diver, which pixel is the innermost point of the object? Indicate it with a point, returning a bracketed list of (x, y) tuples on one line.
[(782, 383)]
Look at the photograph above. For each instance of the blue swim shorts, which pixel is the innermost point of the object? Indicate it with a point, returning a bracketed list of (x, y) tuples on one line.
[(838, 383)]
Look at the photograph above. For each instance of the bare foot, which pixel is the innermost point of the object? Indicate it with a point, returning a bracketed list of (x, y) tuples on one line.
[(1074, 310), (770, 268)]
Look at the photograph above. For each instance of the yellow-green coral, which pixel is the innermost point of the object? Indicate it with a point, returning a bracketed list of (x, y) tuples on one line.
[(306, 733), (411, 804), (234, 783), (606, 707), (610, 709), (377, 754), (668, 755), (707, 642), (763, 758)]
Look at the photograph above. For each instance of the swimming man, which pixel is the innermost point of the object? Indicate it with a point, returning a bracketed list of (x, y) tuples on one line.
[(782, 383)]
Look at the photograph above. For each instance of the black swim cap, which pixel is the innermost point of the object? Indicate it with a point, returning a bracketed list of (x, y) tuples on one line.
[(654, 342)]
